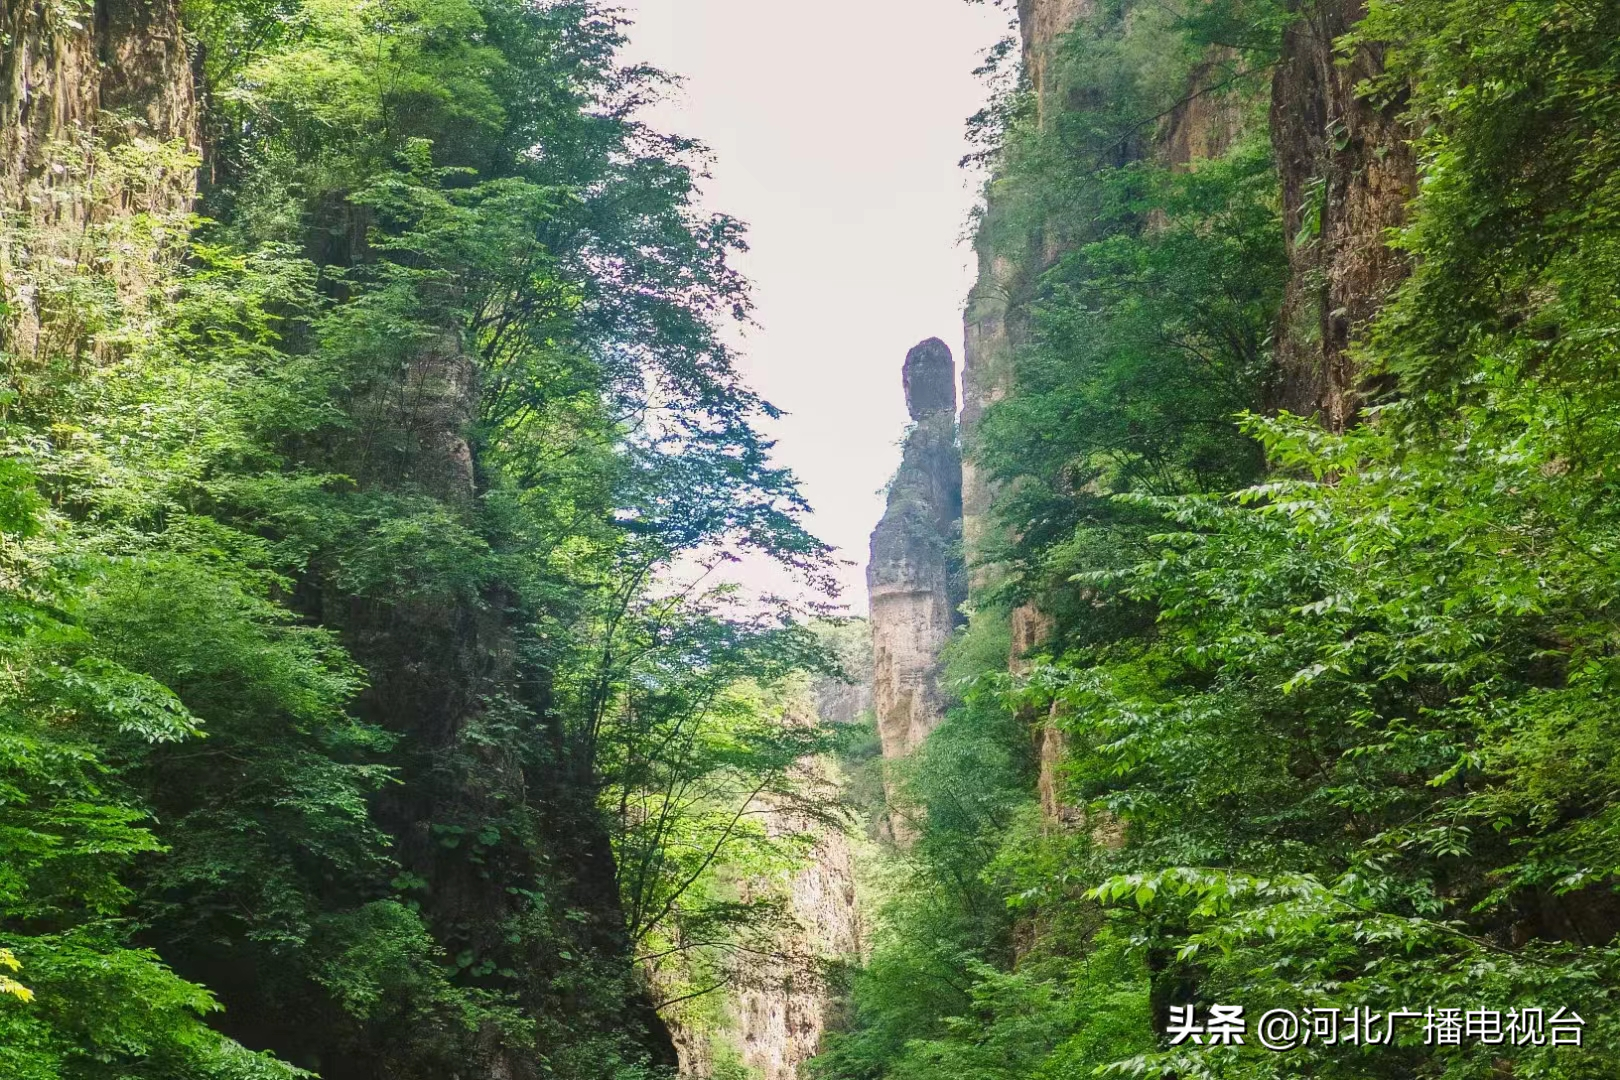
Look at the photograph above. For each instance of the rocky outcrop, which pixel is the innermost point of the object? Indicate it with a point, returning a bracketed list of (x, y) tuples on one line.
[(1040, 24), (119, 69), (914, 580), (846, 698), (995, 314), (98, 152), (993, 326), (781, 996), (1347, 171), (781, 1010)]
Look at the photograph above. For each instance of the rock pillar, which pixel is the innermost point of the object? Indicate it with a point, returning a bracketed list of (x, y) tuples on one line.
[(914, 578)]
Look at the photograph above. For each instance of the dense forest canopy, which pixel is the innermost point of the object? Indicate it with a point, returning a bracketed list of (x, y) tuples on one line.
[(347, 685)]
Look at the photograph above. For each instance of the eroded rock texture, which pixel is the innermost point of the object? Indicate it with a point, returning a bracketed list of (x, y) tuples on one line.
[(1041, 23), (914, 578), (781, 999), (1347, 171), (1347, 174), (98, 153), (995, 322), (996, 314), (120, 69), (781, 1012)]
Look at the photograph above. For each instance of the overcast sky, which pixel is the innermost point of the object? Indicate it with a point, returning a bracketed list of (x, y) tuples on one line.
[(836, 126)]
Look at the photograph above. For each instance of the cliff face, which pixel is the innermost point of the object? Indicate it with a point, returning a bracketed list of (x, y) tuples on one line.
[(1040, 24), (780, 1004), (993, 320), (122, 72), (993, 326), (781, 1018), (1348, 172), (781, 1011), (98, 152), (913, 577), (99, 147), (780, 1001)]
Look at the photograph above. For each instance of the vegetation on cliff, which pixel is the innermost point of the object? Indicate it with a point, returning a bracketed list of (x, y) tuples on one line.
[(1336, 705), (342, 684)]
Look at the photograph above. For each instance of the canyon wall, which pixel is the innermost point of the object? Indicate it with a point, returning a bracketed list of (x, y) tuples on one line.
[(927, 552), (996, 311), (1347, 172), (783, 998), (99, 146), (781, 1010), (780, 1014), (994, 323), (119, 69)]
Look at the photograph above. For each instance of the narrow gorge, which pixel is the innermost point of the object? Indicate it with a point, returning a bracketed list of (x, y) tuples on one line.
[(387, 689)]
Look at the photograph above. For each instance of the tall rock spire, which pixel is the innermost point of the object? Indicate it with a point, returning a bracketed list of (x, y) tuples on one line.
[(914, 578)]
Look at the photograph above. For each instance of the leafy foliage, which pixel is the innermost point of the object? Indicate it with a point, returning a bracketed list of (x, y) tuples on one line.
[(341, 619), (1151, 306), (1335, 709)]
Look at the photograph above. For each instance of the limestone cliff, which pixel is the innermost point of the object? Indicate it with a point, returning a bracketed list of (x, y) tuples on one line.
[(98, 151), (848, 699), (781, 1013), (1348, 171), (119, 69), (994, 318), (99, 147), (993, 325), (781, 1010), (913, 578), (781, 998)]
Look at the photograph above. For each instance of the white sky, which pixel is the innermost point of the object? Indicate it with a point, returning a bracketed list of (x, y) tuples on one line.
[(836, 126)]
